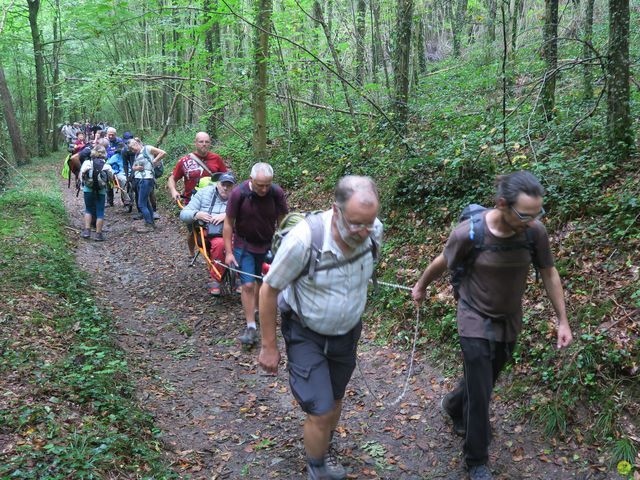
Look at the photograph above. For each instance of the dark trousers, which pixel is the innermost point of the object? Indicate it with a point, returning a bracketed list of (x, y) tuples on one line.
[(483, 362)]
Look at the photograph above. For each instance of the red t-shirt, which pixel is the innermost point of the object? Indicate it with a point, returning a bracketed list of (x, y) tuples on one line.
[(191, 171)]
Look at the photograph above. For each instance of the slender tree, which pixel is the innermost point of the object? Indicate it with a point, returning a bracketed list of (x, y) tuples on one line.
[(587, 28), (550, 55), (457, 25), (402, 54), (41, 91), (361, 16), (619, 136), (263, 22), (9, 114)]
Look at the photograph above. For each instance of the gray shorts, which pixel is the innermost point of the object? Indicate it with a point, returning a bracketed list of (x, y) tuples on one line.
[(320, 366)]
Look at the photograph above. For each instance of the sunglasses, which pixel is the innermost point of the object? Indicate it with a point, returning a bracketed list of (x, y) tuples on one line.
[(355, 227), (529, 218)]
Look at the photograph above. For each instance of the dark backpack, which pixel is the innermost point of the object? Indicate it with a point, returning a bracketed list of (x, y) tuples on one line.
[(96, 178), (474, 213)]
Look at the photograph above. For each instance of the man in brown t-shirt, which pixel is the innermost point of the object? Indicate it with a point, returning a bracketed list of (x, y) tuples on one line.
[(490, 293)]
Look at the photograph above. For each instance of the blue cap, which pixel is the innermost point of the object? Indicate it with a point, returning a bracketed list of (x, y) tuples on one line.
[(127, 136), (227, 177)]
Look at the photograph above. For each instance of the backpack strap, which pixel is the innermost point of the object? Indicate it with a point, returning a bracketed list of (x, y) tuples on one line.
[(316, 225), (193, 157)]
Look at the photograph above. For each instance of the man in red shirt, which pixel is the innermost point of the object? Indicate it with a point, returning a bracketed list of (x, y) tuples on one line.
[(197, 164)]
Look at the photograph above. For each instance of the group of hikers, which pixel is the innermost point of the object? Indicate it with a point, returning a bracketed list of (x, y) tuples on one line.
[(319, 277), (85, 130), (108, 161)]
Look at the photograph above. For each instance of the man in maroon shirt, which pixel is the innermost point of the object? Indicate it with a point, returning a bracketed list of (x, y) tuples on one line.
[(254, 209), (199, 163)]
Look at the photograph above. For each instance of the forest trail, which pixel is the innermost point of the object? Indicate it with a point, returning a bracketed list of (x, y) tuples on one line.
[(221, 417)]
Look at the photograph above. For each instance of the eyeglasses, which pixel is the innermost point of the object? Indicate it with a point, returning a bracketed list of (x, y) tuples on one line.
[(355, 227), (529, 218)]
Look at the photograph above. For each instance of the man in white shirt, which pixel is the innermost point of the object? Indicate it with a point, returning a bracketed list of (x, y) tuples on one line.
[(319, 281)]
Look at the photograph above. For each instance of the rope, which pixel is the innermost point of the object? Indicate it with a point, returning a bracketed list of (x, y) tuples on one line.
[(409, 371), (364, 377)]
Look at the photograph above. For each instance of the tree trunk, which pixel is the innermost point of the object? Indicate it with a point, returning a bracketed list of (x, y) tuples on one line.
[(41, 93), (19, 151), (587, 27), (457, 26), (620, 137), (213, 44), (361, 26), (263, 21), (420, 49), (491, 20), (515, 16), (550, 55), (57, 45), (381, 58), (404, 22)]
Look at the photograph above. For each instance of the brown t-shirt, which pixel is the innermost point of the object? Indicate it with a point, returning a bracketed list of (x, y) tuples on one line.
[(491, 291)]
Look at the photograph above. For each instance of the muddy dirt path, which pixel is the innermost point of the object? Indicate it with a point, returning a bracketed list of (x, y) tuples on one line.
[(222, 417)]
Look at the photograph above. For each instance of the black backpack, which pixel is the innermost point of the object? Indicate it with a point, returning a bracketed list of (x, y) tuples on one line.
[(96, 178), (474, 213)]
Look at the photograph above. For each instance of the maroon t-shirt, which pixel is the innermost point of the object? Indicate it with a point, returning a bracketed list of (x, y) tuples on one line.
[(255, 216), (491, 292)]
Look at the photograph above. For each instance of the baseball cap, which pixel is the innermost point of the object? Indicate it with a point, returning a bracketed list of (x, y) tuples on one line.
[(227, 177)]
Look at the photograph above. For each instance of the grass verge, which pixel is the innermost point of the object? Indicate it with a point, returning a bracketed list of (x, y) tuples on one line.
[(68, 407)]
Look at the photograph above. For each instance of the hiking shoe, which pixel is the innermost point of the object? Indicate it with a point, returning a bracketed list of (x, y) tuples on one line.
[(85, 233), (480, 472), (249, 336), (99, 237), (321, 473), (215, 288), (138, 216), (156, 216), (332, 464), (146, 228), (458, 422)]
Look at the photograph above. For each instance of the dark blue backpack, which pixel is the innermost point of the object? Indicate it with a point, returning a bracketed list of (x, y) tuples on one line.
[(474, 213)]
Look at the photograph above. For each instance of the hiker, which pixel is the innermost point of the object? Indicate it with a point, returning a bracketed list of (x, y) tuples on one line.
[(209, 205), (492, 277), (197, 164), (147, 157), (79, 143), (321, 311), (254, 209), (77, 160), (114, 148), (96, 175)]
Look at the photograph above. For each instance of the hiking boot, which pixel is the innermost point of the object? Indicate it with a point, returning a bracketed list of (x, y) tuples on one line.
[(138, 216), (156, 216), (85, 233), (458, 422), (321, 473), (249, 336), (99, 237), (480, 472), (332, 464), (146, 228), (215, 288)]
